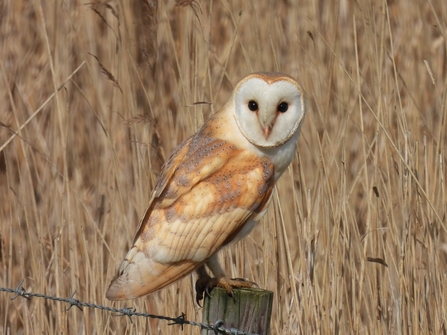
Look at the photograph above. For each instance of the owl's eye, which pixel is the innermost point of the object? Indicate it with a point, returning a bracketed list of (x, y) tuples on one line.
[(283, 107), (253, 105)]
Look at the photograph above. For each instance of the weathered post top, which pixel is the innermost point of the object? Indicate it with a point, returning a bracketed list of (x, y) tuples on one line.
[(249, 311)]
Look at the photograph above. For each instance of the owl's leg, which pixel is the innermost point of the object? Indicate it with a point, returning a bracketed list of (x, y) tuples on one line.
[(205, 283)]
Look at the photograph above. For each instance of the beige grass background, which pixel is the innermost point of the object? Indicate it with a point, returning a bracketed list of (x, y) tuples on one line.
[(355, 241)]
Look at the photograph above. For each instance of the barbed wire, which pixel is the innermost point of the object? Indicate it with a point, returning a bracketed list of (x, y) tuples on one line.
[(217, 327)]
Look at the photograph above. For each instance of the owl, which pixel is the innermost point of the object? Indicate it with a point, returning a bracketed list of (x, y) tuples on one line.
[(214, 188)]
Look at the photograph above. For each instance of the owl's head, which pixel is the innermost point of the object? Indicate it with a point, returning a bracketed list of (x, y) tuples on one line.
[(269, 108)]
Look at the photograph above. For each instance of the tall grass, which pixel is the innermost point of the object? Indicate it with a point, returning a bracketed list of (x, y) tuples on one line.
[(355, 239)]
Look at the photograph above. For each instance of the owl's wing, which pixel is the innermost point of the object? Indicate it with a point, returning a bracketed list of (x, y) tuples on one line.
[(207, 191)]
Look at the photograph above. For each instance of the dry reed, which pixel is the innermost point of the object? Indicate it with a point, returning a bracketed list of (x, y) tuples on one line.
[(355, 241)]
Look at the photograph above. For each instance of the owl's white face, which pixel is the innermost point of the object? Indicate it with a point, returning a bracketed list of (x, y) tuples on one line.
[(269, 109)]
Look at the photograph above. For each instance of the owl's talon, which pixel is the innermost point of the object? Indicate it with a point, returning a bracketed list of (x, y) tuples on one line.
[(199, 296), (208, 291), (231, 294)]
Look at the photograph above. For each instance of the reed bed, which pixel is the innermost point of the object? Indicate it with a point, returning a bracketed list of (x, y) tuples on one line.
[(94, 96)]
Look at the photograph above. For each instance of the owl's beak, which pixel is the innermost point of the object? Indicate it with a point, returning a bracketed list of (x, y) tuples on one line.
[(267, 124), (267, 131)]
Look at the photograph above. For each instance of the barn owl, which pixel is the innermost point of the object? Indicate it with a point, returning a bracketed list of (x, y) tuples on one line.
[(214, 188)]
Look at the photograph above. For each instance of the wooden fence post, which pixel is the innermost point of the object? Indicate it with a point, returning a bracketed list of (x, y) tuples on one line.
[(249, 311)]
